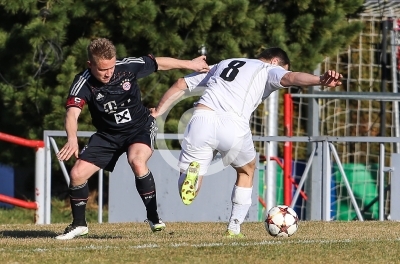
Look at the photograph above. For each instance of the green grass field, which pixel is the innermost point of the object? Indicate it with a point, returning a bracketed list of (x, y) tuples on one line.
[(315, 242)]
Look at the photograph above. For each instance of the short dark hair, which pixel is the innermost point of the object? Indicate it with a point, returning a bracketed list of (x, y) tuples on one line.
[(275, 52)]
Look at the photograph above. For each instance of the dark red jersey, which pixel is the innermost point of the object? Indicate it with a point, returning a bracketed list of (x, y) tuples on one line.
[(115, 107)]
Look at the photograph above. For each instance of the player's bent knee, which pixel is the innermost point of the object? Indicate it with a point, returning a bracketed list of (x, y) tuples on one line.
[(78, 178), (251, 166), (138, 165), (75, 173)]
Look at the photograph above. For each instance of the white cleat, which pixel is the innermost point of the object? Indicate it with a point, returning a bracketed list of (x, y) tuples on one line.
[(73, 231), (156, 226)]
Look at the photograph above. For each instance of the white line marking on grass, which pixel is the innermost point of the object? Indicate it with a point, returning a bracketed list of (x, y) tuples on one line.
[(208, 245), (41, 249), (145, 246), (180, 245), (175, 245)]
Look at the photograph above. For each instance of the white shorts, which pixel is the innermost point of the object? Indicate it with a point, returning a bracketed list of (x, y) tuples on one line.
[(208, 131)]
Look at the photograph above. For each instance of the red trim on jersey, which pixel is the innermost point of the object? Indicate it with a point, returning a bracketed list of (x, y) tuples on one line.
[(75, 101), (151, 56)]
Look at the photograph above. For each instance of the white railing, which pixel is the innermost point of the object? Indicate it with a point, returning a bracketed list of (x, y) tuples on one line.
[(43, 180), (327, 146)]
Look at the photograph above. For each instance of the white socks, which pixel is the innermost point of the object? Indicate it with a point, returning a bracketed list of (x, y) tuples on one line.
[(241, 202)]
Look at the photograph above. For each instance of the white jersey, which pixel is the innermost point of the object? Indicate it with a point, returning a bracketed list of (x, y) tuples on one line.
[(237, 85)]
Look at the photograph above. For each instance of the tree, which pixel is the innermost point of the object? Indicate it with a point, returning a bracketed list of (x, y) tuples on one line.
[(44, 45), (310, 29)]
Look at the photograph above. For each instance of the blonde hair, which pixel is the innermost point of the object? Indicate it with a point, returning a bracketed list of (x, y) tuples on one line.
[(101, 49)]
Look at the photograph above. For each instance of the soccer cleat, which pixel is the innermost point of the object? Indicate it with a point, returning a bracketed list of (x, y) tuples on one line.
[(73, 231), (156, 226), (230, 234), (188, 190)]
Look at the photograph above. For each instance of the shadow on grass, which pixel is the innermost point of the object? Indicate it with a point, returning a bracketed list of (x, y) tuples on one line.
[(27, 234), (102, 237), (47, 234)]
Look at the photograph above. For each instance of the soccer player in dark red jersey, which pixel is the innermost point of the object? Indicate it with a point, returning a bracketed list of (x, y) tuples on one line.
[(109, 88)]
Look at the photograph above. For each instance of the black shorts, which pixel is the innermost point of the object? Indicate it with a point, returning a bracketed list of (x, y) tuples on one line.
[(104, 149)]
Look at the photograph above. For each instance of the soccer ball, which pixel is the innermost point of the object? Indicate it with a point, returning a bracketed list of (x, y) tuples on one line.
[(281, 221)]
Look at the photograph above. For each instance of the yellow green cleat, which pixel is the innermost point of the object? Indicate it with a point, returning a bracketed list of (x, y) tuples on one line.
[(188, 190), (230, 234)]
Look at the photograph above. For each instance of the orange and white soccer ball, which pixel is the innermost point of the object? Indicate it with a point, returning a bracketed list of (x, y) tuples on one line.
[(281, 221)]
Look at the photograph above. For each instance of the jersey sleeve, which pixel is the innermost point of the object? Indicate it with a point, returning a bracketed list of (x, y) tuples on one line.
[(141, 66), (79, 92), (198, 79), (275, 75)]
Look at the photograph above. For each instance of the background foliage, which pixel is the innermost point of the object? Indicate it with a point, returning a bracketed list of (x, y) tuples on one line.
[(42, 47)]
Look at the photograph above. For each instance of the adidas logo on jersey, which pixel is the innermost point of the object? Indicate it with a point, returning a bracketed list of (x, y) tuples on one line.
[(99, 96)]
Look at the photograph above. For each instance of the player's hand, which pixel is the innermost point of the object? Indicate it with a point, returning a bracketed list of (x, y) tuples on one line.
[(70, 148), (331, 79), (153, 112), (199, 64)]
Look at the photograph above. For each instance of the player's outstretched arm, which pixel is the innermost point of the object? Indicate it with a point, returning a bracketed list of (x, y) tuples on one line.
[(171, 95), (71, 127), (329, 78), (198, 64)]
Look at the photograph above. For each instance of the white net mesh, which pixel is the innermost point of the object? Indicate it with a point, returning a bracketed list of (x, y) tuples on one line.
[(360, 64)]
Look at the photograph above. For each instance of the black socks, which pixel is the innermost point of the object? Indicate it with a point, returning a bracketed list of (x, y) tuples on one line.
[(78, 196), (146, 188)]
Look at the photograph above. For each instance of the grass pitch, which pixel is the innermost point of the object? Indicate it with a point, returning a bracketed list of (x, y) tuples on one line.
[(314, 242)]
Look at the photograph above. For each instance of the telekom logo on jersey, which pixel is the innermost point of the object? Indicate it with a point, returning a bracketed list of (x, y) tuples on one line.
[(120, 117), (110, 107)]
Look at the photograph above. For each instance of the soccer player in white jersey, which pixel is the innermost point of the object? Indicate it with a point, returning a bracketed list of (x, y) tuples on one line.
[(233, 90)]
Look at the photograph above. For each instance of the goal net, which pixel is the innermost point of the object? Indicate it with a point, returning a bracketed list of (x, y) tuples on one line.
[(360, 63)]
